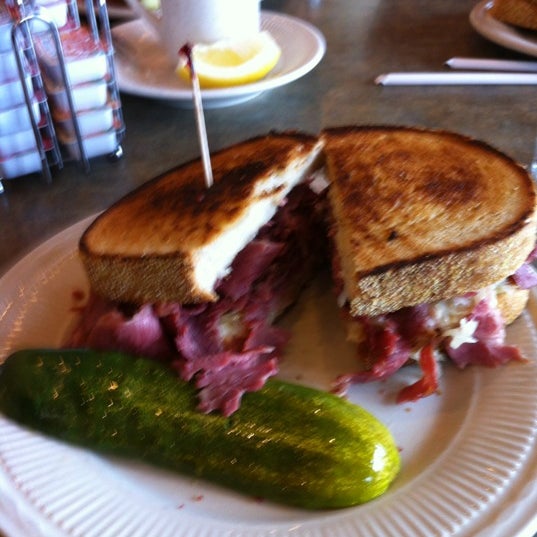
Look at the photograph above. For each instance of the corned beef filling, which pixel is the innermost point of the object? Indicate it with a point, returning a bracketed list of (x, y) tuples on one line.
[(416, 333), (231, 346)]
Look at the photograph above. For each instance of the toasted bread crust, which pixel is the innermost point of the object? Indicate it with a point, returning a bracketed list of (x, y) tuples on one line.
[(144, 247), (424, 215), (522, 13)]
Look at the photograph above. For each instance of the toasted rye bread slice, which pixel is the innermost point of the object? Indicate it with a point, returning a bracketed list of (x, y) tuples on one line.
[(172, 238), (424, 215), (522, 13)]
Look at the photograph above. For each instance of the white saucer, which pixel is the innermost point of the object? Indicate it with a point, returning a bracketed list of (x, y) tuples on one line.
[(142, 68), (500, 33)]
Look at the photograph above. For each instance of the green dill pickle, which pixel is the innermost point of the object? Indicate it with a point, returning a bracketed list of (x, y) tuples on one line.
[(287, 443)]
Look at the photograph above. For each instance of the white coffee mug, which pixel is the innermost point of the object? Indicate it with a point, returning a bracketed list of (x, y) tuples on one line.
[(179, 22)]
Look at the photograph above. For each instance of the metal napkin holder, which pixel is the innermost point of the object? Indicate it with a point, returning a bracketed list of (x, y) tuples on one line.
[(25, 15)]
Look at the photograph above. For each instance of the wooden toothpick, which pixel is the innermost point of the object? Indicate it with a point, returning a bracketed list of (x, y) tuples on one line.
[(186, 52)]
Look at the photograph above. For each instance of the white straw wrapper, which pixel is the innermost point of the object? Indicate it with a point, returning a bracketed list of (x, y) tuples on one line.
[(485, 64), (455, 78)]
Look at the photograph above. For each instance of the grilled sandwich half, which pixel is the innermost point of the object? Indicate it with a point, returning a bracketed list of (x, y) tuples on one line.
[(432, 232), (197, 275)]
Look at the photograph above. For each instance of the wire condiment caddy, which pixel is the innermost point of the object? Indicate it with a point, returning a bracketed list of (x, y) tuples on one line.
[(66, 72)]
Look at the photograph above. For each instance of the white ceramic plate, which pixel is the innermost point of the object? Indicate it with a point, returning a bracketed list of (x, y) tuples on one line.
[(143, 69), (500, 33), (469, 454)]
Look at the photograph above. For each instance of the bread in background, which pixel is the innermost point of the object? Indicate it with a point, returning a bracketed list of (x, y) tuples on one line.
[(521, 13)]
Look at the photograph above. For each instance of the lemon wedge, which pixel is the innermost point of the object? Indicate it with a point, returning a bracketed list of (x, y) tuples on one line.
[(231, 62)]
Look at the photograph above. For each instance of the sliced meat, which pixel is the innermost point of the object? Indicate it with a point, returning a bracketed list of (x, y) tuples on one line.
[(230, 346)]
